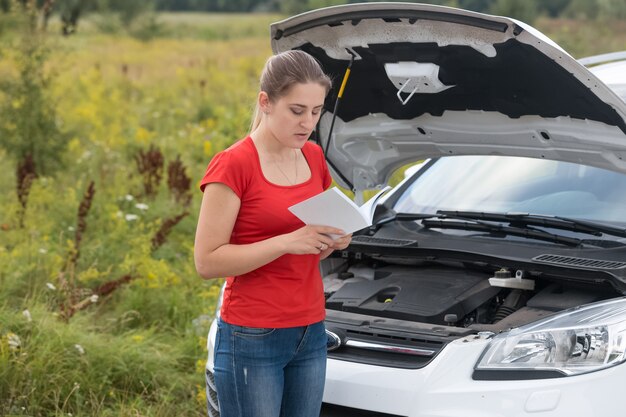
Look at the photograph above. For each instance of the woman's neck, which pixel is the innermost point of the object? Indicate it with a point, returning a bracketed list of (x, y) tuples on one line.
[(267, 143)]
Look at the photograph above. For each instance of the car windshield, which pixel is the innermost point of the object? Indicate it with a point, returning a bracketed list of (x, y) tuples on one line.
[(514, 184)]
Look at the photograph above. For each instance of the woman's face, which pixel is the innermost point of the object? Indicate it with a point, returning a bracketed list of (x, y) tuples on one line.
[(292, 117)]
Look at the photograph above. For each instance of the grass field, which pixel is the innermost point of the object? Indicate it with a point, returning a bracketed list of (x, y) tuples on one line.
[(101, 311)]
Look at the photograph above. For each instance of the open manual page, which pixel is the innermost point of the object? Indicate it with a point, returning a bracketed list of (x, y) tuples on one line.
[(332, 208)]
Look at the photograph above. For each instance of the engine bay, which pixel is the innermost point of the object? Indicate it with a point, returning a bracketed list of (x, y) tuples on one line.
[(450, 295)]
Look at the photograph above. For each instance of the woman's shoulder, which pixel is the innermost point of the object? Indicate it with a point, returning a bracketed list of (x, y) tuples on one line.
[(313, 148), (230, 166), (240, 147), (238, 152)]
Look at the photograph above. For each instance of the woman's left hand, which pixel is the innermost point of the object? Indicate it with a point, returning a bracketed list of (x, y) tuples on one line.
[(339, 244), (342, 242)]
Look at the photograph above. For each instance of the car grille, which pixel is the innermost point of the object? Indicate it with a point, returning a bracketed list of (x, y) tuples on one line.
[(579, 262), (211, 397), (390, 349)]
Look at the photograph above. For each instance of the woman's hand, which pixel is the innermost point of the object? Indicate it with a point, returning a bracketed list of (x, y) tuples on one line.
[(339, 244), (342, 242), (310, 240)]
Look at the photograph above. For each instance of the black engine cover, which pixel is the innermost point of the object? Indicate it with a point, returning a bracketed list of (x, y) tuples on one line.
[(417, 294)]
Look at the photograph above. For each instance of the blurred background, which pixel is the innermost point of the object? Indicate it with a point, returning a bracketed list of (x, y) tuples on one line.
[(110, 111)]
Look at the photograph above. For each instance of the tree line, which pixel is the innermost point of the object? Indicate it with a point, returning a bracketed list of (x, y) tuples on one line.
[(70, 11), (533, 8)]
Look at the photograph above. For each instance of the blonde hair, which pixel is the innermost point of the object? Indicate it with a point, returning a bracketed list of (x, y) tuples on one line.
[(282, 71)]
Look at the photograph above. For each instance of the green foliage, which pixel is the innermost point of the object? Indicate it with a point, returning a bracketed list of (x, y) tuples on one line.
[(589, 9), (581, 38), (212, 27), (524, 10), (581, 9), (553, 8), (126, 10), (612, 9), (29, 122), (144, 336), (147, 27), (70, 12)]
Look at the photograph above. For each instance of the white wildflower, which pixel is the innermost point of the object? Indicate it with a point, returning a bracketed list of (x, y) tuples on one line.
[(129, 197), (51, 286), (43, 251), (94, 298), (131, 217), (80, 349), (26, 314), (119, 213), (71, 228), (142, 206), (14, 341)]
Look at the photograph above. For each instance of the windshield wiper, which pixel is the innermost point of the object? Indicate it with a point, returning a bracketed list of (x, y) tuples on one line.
[(449, 220), (515, 219), (482, 226), (528, 219)]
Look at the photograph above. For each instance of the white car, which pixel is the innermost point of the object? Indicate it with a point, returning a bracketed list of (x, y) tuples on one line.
[(492, 281)]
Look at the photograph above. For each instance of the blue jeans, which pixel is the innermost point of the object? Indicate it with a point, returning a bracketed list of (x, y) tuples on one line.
[(263, 372)]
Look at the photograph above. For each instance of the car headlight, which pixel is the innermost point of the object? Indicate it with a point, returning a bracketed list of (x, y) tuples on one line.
[(576, 341)]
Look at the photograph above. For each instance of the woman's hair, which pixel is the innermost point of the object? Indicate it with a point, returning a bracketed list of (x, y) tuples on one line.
[(285, 69)]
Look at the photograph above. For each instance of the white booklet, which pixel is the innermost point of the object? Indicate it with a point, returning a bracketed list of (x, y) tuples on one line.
[(332, 208)]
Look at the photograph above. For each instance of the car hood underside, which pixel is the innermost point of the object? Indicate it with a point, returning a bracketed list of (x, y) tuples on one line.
[(427, 81)]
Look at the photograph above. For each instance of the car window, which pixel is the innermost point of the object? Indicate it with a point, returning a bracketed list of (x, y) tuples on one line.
[(508, 184)]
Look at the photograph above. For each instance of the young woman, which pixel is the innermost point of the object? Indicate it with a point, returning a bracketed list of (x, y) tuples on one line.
[(270, 349)]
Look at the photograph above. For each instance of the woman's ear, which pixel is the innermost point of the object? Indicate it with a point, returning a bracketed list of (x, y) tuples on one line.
[(264, 102)]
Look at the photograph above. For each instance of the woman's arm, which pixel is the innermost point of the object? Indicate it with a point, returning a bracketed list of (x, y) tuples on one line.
[(215, 257)]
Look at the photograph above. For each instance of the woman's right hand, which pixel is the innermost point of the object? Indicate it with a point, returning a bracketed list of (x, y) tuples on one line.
[(310, 239)]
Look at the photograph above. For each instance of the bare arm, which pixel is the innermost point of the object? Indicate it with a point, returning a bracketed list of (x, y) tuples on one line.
[(215, 257)]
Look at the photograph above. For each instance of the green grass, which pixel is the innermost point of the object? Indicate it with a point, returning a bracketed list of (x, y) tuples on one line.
[(86, 368)]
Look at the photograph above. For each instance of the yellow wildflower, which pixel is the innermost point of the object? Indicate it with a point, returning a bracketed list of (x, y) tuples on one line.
[(208, 148)]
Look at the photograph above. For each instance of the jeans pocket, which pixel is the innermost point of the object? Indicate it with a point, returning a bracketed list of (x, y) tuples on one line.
[(252, 331)]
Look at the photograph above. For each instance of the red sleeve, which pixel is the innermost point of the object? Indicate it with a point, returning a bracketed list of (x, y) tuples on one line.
[(226, 169)]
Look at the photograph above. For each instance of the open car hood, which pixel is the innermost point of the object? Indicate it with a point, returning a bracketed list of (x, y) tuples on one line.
[(428, 81)]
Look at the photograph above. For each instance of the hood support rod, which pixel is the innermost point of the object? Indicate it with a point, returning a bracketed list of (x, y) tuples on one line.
[(332, 123)]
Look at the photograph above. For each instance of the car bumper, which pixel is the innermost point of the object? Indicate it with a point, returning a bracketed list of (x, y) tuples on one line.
[(445, 388)]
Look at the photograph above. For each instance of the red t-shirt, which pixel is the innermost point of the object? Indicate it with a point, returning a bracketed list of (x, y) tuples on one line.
[(288, 291)]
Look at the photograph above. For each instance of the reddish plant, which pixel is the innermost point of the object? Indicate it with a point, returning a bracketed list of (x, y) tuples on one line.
[(161, 235), (26, 174), (178, 182), (150, 166)]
